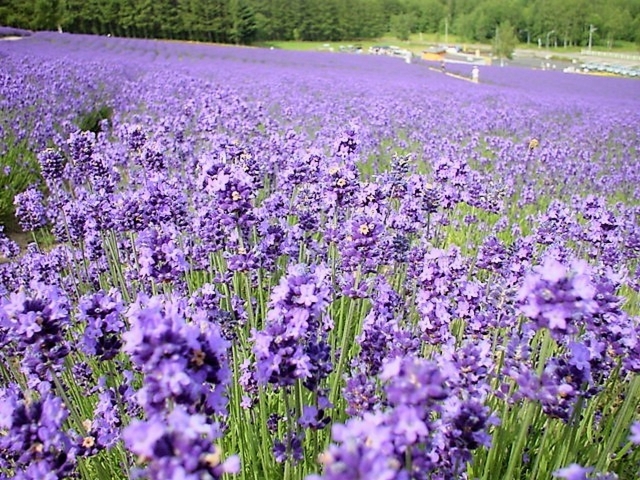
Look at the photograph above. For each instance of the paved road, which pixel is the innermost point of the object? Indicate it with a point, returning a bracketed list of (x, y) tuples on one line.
[(555, 60), (579, 58), (530, 61)]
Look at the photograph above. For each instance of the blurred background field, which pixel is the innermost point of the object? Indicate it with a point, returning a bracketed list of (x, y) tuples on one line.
[(308, 265)]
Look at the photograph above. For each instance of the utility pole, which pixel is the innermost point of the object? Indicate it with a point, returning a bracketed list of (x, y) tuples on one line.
[(446, 30), (548, 35), (591, 30)]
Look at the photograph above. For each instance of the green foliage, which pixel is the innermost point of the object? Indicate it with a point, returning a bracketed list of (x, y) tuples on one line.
[(505, 40), (428, 14), (245, 28), (562, 22), (46, 14), (402, 25), (19, 170), (91, 121)]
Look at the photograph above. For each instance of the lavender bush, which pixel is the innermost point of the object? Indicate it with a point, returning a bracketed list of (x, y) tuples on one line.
[(306, 265), (13, 32)]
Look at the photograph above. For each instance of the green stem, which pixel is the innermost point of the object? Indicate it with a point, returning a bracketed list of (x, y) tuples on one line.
[(35, 240), (496, 446), (346, 337), (572, 429), (515, 459), (622, 421), (265, 450), (542, 451), (288, 465), (74, 414)]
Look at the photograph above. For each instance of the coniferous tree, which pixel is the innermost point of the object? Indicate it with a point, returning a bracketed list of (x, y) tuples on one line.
[(565, 22)]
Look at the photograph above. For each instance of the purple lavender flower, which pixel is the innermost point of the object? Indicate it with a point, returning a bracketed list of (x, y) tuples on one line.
[(8, 248), (183, 362), (127, 392), (33, 438), (473, 360), (207, 299), (420, 420), (83, 375), (347, 144), (290, 448), (300, 169), (47, 268), (159, 257), (383, 337), (277, 240), (233, 190), (69, 226), (30, 210), (634, 437), (440, 274), (492, 255), (361, 393), (248, 383), (102, 314), (452, 176), (573, 472), (414, 382), (293, 344), (314, 417), (362, 448), (401, 165), (152, 157), (135, 137), (242, 261), (161, 202), (555, 223), (558, 297), (178, 446), (35, 323), (469, 421), (340, 182), (103, 432), (81, 148), (365, 245), (422, 200), (52, 164), (609, 323)]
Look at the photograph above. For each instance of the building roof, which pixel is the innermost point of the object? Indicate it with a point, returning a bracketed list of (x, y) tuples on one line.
[(434, 50)]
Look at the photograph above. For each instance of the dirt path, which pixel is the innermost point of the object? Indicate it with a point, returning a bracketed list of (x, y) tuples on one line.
[(454, 75)]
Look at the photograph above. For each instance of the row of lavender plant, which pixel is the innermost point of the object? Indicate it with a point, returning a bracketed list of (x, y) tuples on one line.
[(283, 265)]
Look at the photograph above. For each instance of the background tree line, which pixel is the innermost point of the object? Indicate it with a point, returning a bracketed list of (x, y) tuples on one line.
[(559, 22)]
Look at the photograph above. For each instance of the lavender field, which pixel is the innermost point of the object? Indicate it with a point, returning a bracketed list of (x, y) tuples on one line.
[(259, 264)]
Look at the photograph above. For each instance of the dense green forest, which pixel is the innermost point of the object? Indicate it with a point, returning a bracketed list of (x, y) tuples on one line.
[(559, 22)]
